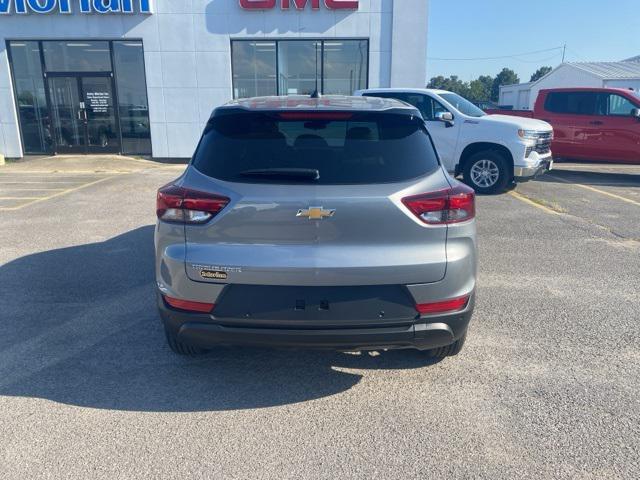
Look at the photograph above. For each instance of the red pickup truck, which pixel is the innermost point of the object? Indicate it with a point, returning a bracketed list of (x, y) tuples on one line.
[(589, 123)]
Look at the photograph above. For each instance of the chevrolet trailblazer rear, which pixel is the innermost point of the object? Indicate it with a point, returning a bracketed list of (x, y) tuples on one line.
[(316, 222)]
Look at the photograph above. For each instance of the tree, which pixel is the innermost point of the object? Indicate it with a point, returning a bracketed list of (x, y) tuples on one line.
[(452, 84), (437, 82), (505, 77), (541, 72), (480, 88), (483, 88)]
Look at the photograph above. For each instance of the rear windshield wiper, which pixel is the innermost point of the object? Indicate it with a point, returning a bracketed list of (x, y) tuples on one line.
[(301, 173)]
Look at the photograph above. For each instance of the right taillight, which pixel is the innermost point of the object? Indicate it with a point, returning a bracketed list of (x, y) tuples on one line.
[(453, 205), (182, 205), (445, 306)]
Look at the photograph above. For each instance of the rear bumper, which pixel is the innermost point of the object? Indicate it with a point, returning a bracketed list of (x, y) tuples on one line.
[(205, 331)]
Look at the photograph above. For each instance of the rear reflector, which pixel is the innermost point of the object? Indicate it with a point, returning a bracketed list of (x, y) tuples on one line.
[(188, 305), (182, 205), (445, 306), (453, 205)]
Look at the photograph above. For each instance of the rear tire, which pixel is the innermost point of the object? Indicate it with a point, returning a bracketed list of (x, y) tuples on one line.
[(181, 348), (448, 350), (487, 172)]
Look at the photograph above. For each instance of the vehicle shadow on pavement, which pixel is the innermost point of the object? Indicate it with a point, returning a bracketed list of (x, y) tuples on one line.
[(79, 326), (604, 179)]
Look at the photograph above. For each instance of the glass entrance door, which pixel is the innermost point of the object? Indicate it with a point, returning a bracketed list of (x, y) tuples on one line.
[(100, 114), (84, 114), (68, 123)]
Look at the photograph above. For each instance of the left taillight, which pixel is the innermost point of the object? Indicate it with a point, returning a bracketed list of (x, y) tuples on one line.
[(182, 205), (453, 205), (189, 305)]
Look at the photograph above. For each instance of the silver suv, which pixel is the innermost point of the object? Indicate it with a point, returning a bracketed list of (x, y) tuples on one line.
[(316, 222)]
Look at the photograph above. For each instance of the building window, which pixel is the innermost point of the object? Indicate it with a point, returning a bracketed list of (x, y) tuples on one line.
[(77, 56), (30, 96), (345, 66), (72, 98), (254, 69), (133, 107), (298, 67)]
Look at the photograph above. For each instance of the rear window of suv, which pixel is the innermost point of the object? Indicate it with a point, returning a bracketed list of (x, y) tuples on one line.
[(344, 147)]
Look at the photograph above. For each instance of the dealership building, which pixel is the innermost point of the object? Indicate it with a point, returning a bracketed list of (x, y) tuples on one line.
[(140, 77)]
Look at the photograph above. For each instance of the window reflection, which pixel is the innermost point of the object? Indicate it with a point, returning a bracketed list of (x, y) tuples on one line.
[(254, 69), (68, 126), (345, 66), (335, 66), (299, 67), (133, 106), (77, 56), (31, 100)]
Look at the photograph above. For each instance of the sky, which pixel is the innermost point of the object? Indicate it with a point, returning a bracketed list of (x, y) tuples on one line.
[(593, 30)]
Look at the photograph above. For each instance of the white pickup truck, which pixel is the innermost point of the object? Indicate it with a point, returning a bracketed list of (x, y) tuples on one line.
[(490, 151)]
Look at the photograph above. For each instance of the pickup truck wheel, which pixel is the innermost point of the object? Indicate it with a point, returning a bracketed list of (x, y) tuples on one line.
[(181, 348), (449, 350), (487, 172)]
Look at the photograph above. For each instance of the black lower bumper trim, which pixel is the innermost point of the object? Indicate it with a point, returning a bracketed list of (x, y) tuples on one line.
[(203, 330), (425, 337)]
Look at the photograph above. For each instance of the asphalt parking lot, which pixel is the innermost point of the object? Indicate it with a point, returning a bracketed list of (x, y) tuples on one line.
[(547, 385)]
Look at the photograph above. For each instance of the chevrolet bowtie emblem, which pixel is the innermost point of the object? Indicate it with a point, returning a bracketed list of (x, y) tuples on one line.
[(315, 213)]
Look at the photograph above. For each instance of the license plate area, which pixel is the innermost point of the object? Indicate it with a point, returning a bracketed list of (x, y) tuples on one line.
[(309, 307)]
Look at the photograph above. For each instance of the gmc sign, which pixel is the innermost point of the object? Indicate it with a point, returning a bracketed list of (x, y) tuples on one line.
[(299, 4)]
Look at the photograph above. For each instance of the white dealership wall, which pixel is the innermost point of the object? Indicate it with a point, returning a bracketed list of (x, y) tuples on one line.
[(188, 57)]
